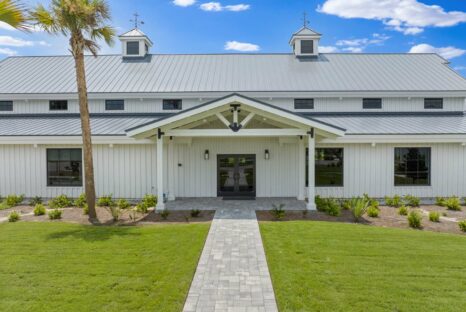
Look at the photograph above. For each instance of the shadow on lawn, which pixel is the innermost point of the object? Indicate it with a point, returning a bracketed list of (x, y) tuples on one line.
[(93, 234)]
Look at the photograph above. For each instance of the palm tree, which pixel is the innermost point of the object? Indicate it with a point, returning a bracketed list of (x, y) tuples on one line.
[(84, 22), (11, 12)]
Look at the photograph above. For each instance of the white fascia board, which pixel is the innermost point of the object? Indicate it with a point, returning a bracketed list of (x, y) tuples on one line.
[(241, 133), (401, 138), (74, 140)]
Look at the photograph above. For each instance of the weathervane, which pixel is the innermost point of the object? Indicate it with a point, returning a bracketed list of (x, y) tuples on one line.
[(136, 21), (305, 20)]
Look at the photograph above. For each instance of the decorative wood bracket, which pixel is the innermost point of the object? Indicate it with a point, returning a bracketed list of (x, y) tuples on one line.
[(311, 133), (160, 133)]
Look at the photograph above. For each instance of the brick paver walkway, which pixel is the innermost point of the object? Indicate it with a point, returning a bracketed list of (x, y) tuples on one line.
[(232, 274)]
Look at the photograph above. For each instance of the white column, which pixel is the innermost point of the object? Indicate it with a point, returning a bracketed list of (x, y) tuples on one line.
[(311, 173), (301, 170), (171, 170), (160, 205)]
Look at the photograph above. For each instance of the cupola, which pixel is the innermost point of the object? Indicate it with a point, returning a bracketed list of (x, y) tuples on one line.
[(135, 43), (305, 42)]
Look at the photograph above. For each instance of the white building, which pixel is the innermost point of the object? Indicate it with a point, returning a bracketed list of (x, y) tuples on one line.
[(236, 124)]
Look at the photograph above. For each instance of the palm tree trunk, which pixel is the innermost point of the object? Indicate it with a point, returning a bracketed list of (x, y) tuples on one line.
[(77, 46)]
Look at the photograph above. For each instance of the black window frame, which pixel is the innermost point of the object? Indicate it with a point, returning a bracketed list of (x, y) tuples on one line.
[(80, 162), (316, 168), (372, 103), (304, 103), (6, 106), (305, 49), (114, 105), (433, 103), (397, 171), (134, 48), (58, 102), (172, 104)]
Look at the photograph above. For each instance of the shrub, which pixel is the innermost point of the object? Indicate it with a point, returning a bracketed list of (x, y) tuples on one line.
[(462, 225), (150, 200), (164, 214), (55, 214), (123, 204), (105, 201), (358, 207), (412, 201), (61, 201), (35, 200), (115, 211), (14, 216), (415, 219), (278, 212), (373, 212), (434, 216), (328, 205), (394, 201), (81, 202), (464, 201), (372, 201), (86, 209), (195, 213), (13, 200), (346, 204), (39, 210), (3, 205), (141, 207), (440, 201), (453, 203), (403, 211)]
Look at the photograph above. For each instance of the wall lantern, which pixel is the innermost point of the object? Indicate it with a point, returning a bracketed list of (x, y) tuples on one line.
[(266, 154), (206, 155)]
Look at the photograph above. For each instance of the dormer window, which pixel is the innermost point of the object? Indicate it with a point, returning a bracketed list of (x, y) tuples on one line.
[(135, 44), (132, 48), (305, 42), (307, 46)]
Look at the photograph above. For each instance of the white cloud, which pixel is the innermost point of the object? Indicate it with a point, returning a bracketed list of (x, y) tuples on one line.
[(241, 46), (353, 49), (358, 45), (217, 7), (8, 52), (6, 26), (327, 49), (460, 68), (445, 52), (14, 42), (184, 3), (407, 16)]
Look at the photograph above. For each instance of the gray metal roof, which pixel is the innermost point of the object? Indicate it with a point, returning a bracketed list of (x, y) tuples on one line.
[(113, 125), (232, 73)]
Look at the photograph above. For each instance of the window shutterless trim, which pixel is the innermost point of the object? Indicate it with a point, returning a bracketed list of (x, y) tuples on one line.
[(47, 168), (372, 103), (6, 106), (308, 47), (113, 105), (304, 103), (132, 47), (172, 104), (315, 170), (429, 177), (58, 102), (433, 103)]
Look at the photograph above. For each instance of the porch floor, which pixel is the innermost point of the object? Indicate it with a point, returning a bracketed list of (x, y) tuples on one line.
[(217, 203)]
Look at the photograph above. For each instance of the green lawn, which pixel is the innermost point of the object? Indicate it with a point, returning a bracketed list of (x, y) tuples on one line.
[(319, 266), (68, 267)]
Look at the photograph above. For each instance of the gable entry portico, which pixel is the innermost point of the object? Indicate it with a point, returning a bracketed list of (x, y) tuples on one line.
[(237, 116)]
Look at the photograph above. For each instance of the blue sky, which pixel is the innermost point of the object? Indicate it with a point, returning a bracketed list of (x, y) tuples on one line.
[(205, 26)]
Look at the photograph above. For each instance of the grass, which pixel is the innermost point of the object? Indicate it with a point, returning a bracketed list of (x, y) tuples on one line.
[(68, 267), (319, 266)]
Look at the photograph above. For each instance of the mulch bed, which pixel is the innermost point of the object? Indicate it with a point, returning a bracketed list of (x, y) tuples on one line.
[(388, 217)]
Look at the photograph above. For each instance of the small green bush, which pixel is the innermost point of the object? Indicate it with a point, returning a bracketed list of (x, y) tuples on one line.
[(328, 205), (14, 216), (415, 219), (440, 201), (142, 207), (394, 201), (372, 201), (61, 201), (35, 200), (150, 200), (55, 214), (13, 200), (434, 216), (453, 203), (403, 211), (80, 202), (373, 212), (278, 212), (85, 209), (195, 213), (164, 214), (3, 206), (123, 204), (359, 207), (462, 225), (346, 204), (412, 201), (105, 201), (39, 210), (115, 211)]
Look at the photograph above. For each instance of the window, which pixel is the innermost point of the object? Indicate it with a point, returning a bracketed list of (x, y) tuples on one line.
[(371, 103), (172, 104), (307, 46), (433, 103), (412, 166), (64, 167), (132, 48), (328, 167), (114, 105), (6, 106), (303, 103), (58, 105)]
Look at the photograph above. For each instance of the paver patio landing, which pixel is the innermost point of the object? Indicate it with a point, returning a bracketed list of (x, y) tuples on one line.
[(232, 274)]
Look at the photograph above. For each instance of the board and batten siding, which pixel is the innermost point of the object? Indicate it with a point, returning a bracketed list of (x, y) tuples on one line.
[(129, 171)]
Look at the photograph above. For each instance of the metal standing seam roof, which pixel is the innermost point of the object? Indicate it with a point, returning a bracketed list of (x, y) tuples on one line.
[(232, 73)]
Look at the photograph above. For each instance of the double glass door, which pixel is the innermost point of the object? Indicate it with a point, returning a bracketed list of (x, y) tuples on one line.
[(236, 175)]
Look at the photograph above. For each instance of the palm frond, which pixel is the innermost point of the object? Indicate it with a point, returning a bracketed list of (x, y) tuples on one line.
[(13, 13), (106, 33)]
